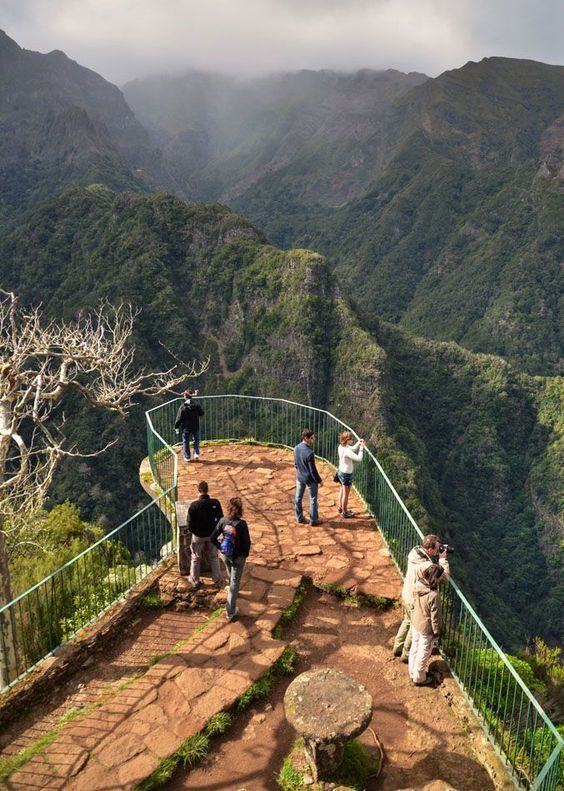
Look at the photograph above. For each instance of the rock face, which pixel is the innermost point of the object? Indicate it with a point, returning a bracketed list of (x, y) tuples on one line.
[(326, 707), (63, 123)]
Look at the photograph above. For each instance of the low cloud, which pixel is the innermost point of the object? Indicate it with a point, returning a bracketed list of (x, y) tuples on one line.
[(124, 39)]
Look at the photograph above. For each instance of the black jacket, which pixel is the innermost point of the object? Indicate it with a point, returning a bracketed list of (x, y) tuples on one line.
[(243, 539), (203, 515), (188, 417)]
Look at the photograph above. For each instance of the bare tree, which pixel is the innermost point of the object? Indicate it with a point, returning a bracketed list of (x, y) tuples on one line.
[(40, 361)]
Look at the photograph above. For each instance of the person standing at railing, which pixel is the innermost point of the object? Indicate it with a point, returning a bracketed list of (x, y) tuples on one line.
[(306, 475), (188, 419), (203, 516), (419, 558), (231, 537), (425, 623), (347, 456)]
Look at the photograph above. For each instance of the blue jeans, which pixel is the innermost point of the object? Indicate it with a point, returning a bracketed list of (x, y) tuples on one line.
[(313, 489), (186, 434), (234, 568)]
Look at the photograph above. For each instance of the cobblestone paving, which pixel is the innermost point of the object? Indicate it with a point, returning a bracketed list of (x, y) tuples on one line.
[(122, 741), (346, 552)]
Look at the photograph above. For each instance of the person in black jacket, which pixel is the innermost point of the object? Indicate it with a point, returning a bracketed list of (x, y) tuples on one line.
[(188, 419), (240, 548), (203, 516)]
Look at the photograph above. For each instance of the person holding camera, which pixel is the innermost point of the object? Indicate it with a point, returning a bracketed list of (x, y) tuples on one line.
[(347, 456), (425, 623), (420, 557), (188, 419)]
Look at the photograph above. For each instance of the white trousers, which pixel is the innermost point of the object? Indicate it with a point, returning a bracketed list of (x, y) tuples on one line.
[(419, 653)]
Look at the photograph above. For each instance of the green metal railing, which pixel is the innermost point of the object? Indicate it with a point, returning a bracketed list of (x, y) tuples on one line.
[(162, 458), (40, 620), (512, 718)]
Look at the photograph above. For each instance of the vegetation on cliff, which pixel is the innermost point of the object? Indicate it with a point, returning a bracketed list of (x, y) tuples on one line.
[(472, 444)]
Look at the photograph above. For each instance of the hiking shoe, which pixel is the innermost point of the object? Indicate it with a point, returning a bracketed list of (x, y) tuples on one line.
[(195, 585), (405, 659), (235, 614), (319, 522), (349, 514), (429, 680), (196, 455), (301, 521), (339, 510), (397, 651)]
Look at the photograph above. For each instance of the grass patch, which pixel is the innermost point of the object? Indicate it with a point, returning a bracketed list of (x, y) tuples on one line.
[(245, 441), (292, 610), (194, 750), (290, 778), (219, 724), (260, 689), (286, 663), (9, 765), (284, 666), (379, 603), (355, 771), (151, 601), (357, 767)]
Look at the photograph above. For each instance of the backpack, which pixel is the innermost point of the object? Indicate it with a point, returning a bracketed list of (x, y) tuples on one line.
[(227, 546)]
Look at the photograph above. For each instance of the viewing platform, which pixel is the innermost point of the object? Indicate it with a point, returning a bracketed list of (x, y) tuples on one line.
[(137, 693), (124, 733)]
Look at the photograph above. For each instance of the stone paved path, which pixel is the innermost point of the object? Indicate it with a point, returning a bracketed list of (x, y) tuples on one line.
[(148, 634), (122, 741), (346, 552)]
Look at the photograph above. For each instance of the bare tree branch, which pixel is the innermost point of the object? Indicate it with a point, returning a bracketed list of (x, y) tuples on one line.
[(41, 360)]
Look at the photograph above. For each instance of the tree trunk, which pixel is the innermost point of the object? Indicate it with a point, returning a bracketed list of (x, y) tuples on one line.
[(8, 670)]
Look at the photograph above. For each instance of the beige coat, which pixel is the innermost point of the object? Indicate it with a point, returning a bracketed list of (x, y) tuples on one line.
[(426, 610), (417, 562)]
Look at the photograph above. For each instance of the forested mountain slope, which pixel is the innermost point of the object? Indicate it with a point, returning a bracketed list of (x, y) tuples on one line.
[(439, 201), (320, 135), (472, 444), (61, 123)]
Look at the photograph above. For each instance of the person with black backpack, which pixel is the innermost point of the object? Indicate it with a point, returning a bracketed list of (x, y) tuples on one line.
[(231, 537), (188, 419)]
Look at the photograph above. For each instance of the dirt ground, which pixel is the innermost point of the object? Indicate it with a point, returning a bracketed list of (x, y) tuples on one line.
[(422, 739)]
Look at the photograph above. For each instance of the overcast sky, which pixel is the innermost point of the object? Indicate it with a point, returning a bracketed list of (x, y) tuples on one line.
[(124, 39)]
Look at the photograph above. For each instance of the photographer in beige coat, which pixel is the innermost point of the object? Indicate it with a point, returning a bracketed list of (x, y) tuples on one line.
[(425, 623), (418, 560)]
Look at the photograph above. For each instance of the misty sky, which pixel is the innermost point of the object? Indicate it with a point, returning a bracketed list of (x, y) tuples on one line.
[(124, 39)]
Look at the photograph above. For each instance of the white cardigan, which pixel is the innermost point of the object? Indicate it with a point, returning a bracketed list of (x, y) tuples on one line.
[(348, 454)]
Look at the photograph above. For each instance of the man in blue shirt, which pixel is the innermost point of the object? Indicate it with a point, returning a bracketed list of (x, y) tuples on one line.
[(306, 475)]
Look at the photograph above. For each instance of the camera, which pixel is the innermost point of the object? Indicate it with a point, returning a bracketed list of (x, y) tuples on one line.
[(446, 548)]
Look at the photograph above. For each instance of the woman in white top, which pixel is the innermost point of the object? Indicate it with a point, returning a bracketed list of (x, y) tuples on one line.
[(347, 455)]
